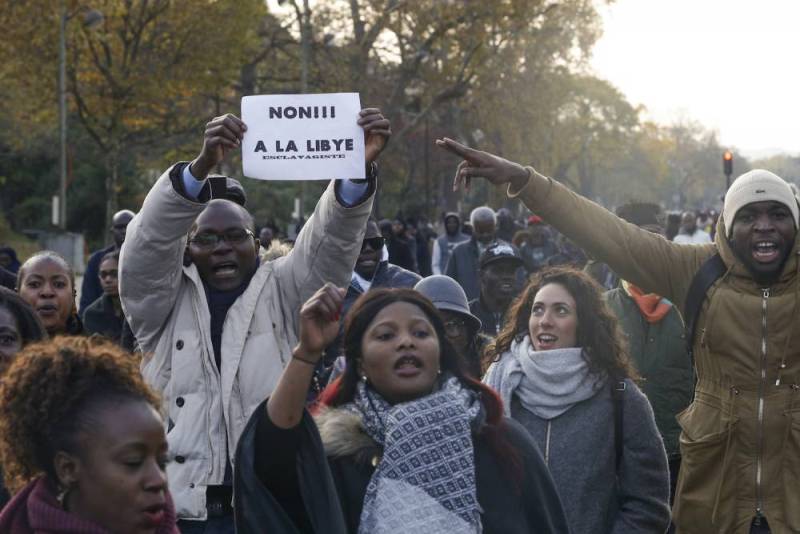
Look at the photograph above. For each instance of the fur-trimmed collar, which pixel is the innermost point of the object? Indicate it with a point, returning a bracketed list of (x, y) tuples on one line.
[(343, 434)]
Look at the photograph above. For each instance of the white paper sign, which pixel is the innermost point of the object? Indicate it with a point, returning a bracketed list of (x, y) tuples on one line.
[(302, 137)]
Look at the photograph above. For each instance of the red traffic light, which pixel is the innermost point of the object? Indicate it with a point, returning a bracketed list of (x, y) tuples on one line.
[(727, 163)]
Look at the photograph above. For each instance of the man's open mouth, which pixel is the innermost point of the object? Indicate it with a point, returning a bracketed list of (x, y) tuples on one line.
[(766, 251), (225, 270)]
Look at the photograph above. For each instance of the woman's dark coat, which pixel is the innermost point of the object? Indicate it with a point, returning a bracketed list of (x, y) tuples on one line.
[(284, 482)]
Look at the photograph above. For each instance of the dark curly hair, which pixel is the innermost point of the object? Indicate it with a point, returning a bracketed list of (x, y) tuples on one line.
[(52, 394), (28, 323), (598, 332)]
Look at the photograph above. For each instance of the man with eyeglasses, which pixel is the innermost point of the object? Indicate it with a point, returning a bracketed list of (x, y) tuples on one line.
[(217, 333), (372, 270)]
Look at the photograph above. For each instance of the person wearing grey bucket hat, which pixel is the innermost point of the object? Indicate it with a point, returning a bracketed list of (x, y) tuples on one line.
[(739, 439), (461, 327)]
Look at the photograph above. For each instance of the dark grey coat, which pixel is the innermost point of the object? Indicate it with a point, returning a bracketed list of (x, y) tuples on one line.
[(579, 450)]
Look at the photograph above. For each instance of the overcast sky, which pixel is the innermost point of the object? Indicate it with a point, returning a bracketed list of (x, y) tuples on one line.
[(732, 65)]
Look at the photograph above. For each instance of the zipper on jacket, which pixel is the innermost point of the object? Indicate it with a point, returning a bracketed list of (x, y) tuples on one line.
[(547, 444), (761, 387)]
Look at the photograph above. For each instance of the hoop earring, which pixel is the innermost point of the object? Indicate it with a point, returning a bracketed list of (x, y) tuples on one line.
[(61, 496)]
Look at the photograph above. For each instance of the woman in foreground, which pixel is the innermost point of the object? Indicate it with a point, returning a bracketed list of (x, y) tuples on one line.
[(403, 441), (82, 443)]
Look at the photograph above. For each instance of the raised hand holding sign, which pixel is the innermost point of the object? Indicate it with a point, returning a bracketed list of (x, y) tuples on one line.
[(222, 134)]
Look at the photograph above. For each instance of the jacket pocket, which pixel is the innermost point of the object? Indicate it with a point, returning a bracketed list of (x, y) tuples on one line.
[(705, 489), (791, 472)]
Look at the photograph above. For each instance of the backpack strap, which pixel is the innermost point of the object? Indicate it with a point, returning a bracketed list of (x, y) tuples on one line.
[(711, 270), (617, 397)]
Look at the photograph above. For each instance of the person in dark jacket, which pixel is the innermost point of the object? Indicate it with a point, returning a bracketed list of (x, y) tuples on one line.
[(460, 467), (90, 289), (499, 265), (462, 266), (402, 252), (8, 279), (83, 443), (9, 265), (506, 225), (104, 316), (418, 238), (656, 343), (561, 369), (444, 245), (460, 326), (9, 260), (371, 271)]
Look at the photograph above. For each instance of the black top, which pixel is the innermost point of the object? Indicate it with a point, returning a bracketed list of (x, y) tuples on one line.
[(7, 279), (91, 290)]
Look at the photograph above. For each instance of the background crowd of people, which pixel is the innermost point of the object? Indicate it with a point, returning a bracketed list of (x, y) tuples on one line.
[(575, 370)]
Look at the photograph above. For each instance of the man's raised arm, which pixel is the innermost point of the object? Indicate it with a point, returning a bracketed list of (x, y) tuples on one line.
[(151, 261), (645, 259)]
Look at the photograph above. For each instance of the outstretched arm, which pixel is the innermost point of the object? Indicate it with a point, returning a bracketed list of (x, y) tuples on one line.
[(648, 260)]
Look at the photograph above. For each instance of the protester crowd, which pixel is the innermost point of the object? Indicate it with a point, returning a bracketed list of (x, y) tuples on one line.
[(626, 372)]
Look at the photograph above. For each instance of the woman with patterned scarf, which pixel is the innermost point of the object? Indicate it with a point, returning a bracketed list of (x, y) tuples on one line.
[(562, 371), (403, 441)]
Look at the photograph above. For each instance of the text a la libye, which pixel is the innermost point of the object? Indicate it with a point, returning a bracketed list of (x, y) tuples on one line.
[(314, 149)]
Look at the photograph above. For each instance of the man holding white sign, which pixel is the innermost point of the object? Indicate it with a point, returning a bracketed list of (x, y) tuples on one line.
[(217, 333)]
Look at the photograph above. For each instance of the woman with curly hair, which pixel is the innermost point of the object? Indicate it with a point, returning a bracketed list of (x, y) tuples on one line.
[(561, 369), (403, 441), (82, 442), (47, 283)]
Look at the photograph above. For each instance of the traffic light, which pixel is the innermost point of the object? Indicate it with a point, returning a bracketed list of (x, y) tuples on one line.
[(727, 163)]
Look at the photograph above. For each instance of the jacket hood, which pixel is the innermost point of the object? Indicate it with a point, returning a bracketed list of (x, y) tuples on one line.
[(737, 268), (451, 214), (343, 434)]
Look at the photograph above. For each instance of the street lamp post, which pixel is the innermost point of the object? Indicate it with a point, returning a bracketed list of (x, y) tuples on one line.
[(92, 18), (62, 117)]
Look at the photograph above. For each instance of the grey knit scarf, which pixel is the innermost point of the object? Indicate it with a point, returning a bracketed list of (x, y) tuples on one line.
[(547, 383), (425, 481)]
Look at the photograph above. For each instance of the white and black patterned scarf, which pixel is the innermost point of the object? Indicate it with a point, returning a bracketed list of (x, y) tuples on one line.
[(425, 481)]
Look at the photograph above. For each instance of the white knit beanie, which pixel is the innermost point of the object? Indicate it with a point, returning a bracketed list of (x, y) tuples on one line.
[(757, 185)]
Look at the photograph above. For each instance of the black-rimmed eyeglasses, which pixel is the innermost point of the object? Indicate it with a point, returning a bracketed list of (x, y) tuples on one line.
[(210, 239)]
